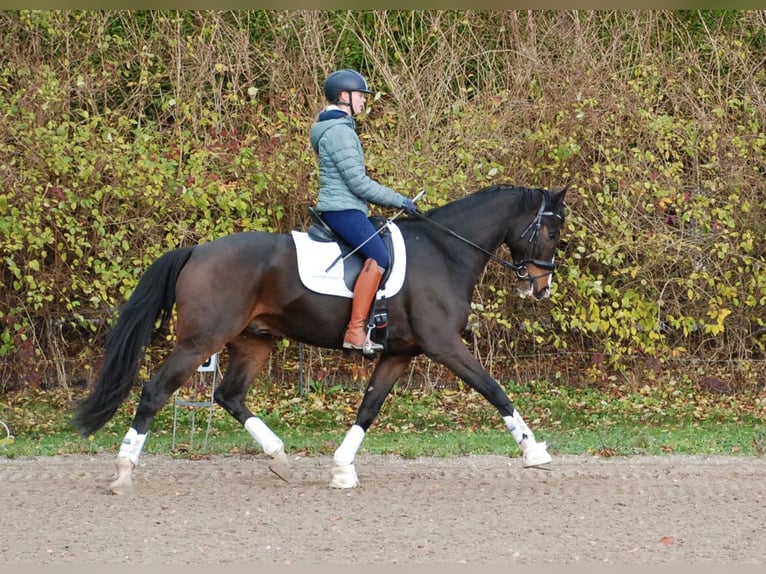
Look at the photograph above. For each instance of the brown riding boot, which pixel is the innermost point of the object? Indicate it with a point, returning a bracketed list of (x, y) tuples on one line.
[(365, 288)]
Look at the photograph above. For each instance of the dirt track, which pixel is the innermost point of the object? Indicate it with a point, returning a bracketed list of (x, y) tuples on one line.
[(475, 509)]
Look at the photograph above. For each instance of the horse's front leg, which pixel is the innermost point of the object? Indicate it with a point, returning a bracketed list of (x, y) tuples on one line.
[(387, 371), (460, 361)]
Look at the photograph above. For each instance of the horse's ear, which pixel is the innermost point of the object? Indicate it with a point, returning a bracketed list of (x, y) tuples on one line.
[(558, 198)]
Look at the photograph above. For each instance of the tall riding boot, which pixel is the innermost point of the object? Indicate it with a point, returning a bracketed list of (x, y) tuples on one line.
[(365, 288)]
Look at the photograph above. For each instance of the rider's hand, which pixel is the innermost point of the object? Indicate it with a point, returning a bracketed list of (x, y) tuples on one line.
[(409, 206)]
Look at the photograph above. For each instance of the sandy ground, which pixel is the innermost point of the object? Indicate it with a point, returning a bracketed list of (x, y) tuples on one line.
[(473, 509)]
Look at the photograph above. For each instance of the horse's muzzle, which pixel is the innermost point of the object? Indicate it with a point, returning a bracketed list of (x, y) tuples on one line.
[(526, 289)]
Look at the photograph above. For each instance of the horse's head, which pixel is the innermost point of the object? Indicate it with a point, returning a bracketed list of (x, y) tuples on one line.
[(534, 249)]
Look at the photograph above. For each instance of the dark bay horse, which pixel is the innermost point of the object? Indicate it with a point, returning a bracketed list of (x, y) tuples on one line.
[(243, 290)]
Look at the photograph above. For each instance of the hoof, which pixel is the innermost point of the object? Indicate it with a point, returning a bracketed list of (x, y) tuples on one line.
[(123, 484), (280, 466), (536, 455), (344, 477)]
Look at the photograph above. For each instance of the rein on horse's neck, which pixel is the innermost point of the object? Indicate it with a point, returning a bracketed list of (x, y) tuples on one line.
[(534, 227)]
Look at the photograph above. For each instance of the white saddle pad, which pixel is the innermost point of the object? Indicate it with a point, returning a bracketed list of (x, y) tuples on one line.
[(314, 257)]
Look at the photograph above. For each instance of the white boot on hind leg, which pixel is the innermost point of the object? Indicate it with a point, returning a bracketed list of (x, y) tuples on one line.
[(272, 445), (127, 460), (536, 454)]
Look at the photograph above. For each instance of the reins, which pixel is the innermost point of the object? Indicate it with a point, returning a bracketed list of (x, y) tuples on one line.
[(520, 269)]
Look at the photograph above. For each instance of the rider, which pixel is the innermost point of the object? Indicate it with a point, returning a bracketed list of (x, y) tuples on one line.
[(345, 191)]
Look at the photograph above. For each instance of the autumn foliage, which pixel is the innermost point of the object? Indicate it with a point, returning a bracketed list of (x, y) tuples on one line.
[(126, 134)]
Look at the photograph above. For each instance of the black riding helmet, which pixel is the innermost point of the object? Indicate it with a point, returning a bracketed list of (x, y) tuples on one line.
[(344, 81)]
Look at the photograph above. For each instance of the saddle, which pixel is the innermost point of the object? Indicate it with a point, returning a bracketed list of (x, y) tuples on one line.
[(352, 265)]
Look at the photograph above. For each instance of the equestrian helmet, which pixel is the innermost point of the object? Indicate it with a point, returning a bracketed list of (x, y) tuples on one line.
[(344, 81)]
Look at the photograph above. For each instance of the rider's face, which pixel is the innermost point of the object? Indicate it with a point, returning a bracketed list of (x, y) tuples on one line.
[(358, 99)]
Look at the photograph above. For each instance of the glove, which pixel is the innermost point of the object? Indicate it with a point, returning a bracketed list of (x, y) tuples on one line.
[(409, 206)]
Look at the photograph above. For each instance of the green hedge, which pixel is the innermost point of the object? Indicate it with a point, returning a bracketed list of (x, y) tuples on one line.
[(126, 134)]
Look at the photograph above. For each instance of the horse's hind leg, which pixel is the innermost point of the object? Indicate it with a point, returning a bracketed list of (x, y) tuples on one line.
[(178, 368), (247, 356)]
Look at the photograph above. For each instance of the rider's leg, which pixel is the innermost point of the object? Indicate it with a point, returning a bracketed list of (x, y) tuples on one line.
[(357, 230), (365, 288)]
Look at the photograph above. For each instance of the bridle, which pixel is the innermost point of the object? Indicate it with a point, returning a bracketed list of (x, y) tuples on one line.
[(519, 267)]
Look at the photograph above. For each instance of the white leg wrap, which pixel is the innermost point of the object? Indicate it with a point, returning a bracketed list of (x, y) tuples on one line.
[(518, 428), (132, 445), (347, 450), (534, 453), (264, 436), (344, 473)]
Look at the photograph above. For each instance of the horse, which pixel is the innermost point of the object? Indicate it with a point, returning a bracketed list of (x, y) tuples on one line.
[(244, 291)]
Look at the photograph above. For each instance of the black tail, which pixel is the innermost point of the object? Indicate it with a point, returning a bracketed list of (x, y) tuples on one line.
[(152, 299)]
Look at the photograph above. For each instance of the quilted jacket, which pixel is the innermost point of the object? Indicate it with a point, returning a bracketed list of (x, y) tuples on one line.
[(343, 179)]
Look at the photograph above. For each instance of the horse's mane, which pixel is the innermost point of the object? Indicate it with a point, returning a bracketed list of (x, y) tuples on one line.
[(528, 198)]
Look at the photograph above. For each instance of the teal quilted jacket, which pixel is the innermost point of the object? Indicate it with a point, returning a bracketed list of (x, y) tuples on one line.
[(343, 179)]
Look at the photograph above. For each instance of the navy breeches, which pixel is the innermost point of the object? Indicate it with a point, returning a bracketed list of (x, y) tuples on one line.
[(354, 227)]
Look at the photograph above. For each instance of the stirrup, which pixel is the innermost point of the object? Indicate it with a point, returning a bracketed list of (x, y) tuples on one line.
[(368, 347)]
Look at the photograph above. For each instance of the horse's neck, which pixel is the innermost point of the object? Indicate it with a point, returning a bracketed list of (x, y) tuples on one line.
[(484, 223)]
